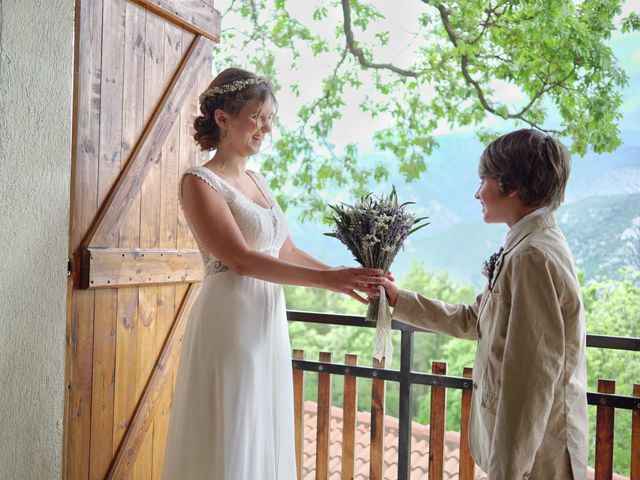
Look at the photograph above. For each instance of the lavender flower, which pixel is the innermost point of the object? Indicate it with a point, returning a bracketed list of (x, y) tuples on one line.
[(374, 230), (489, 266)]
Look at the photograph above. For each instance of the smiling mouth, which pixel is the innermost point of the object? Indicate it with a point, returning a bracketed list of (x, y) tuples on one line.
[(257, 138)]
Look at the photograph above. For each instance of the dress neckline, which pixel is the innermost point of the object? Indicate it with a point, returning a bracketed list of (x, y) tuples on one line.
[(250, 174)]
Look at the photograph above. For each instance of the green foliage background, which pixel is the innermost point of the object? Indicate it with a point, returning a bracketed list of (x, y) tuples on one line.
[(612, 307)]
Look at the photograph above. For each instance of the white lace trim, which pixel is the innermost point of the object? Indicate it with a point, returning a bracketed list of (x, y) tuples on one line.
[(255, 211), (383, 346)]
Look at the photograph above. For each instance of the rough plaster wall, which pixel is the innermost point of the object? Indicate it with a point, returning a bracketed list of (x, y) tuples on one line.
[(36, 62)]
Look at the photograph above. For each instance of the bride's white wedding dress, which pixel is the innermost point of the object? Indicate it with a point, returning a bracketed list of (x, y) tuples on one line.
[(232, 412)]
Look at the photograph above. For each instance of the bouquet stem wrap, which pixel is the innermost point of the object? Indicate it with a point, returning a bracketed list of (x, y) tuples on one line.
[(379, 312)]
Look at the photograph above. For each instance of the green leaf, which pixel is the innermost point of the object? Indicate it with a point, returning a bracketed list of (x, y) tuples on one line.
[(417, 228)]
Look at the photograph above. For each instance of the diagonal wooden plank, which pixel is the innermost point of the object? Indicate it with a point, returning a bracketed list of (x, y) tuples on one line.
[(193, 15), (149, 145), (146, 409)]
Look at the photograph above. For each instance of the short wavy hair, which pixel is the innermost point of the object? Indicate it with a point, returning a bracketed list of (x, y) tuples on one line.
[(535, 165)]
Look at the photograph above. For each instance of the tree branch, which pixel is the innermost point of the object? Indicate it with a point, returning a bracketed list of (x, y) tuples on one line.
[(464, 67), (486, 24), (231, 7), (359, 53), (257, 29)]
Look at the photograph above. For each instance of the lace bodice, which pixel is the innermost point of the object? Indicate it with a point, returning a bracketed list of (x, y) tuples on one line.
[(264, 229)]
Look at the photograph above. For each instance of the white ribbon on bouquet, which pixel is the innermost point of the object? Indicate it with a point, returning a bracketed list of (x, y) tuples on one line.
[(383, 347)]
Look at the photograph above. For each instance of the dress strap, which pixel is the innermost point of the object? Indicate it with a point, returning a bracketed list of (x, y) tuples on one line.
[(262, 184), (213, 181)]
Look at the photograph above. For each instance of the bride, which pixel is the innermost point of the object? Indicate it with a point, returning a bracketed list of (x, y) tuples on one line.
[(232, 413)]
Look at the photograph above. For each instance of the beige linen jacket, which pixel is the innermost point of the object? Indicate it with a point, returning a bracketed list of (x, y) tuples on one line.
[(529, 406)]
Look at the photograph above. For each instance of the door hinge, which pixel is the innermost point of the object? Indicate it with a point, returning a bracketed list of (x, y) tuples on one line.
[(69, 267)]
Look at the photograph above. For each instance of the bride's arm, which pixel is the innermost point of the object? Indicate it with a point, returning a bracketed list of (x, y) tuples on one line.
[(291, 253), (214, 224)]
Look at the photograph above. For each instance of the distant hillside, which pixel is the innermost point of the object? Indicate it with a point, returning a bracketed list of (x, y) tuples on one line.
[(594, 228)]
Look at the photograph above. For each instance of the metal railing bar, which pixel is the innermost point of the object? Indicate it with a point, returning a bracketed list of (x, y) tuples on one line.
[(448, 381), (614, 343), (593, 340), (339, 369), (343, 320), (612, 400), (404, 400), (416, 378)]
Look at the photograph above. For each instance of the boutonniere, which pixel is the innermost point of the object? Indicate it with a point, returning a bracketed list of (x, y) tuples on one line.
[(490, 267)]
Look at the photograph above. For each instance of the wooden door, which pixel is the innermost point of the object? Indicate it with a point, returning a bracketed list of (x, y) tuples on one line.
[(139, 66)]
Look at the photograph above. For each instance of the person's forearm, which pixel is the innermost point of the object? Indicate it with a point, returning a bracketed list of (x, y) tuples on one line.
[(277, 270), (302, 258), (456, 320)]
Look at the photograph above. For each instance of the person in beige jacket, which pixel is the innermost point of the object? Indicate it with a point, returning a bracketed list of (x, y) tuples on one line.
[(529, 406)]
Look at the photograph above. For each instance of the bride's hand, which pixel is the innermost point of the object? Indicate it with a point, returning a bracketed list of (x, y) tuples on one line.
[(349, 279)]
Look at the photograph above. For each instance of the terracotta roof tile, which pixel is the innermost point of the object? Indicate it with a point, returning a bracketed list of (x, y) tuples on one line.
[(419, 448)]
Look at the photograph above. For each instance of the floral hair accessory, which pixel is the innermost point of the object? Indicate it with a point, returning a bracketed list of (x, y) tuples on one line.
[(489, 266), (234, 86)]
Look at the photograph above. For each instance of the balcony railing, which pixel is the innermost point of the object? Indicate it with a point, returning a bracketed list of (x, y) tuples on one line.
[(605, 400)]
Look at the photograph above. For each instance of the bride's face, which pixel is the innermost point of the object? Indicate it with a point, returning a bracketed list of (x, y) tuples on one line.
[(248, 128)]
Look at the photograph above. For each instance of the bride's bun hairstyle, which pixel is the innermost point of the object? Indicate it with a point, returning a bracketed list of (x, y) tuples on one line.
[(527, 161), (229, 91)]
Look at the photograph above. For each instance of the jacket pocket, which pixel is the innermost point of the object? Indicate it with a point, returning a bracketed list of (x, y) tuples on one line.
[(487, 313)]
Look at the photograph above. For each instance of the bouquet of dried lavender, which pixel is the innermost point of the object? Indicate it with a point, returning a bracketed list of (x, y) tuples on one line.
[(374, 230)]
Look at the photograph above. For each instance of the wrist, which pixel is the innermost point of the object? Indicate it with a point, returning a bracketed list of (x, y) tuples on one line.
[(393, 295), (318, 278)]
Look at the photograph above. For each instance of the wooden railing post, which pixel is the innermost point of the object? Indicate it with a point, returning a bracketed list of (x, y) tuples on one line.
[(635, 437), (436, 424), (298, 408), (466, 464), (324, 407), (349, 408), (604, 434), (376, 466)]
